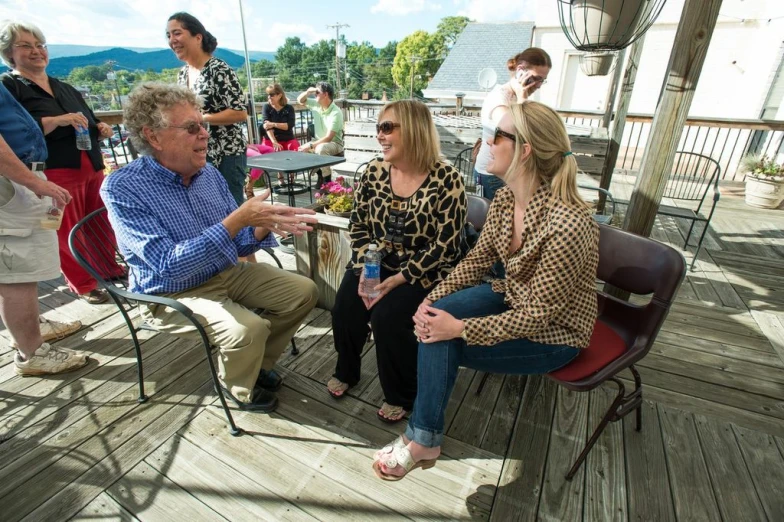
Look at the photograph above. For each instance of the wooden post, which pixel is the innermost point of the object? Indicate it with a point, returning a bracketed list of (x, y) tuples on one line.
[(688, 54), (613, 89), (619, 123)]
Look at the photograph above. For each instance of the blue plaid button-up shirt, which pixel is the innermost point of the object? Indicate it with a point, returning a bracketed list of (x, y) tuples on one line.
[(172, 235)]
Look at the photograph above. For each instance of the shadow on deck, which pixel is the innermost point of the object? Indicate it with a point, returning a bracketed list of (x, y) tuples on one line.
[(711, 447)]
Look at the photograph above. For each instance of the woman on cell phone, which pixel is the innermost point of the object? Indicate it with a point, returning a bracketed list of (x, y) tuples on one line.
[(528, 71)]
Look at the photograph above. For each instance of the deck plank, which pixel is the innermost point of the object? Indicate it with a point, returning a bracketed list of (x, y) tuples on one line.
[(605, 476), (154, 498), (766, 468), (223, 488), (83, 473), (520, 485), (563, 499), (649, 494), (735, 491), (104, 508), (501, 423), (691, 486)]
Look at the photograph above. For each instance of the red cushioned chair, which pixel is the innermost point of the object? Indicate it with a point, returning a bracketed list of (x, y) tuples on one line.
[(624, 332)]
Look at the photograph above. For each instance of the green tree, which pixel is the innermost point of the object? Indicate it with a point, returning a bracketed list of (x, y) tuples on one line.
[(449, 29), (418, 56)]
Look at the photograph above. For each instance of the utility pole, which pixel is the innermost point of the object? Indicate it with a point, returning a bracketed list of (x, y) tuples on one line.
[(337, 26), (414, 60)]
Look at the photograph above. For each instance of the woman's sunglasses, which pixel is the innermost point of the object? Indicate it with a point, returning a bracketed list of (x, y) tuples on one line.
[(386, 127), (193, 127), (498, 133)]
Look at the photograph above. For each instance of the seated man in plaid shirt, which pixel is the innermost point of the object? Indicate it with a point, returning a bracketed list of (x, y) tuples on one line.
[(181, 232)]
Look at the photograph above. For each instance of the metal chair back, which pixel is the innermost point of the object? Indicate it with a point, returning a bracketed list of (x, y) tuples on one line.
[(465, 165)]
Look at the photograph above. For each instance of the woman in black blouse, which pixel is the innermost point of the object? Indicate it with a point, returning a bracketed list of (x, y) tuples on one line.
[(279, 122), (412, 205), (224, 102), (60, 109)]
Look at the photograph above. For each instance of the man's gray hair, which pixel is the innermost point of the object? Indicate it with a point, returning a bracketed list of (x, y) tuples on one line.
[(147, 107), (9, 31)]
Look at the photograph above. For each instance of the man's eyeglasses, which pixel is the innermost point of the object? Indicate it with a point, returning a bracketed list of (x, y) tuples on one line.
[(27, 47), (498, 133), (386, 127), (193, 127)]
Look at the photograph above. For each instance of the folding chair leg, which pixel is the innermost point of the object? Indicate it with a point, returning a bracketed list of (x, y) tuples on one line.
[(637, 390), (699, 246), (608, 416), (294, 350)]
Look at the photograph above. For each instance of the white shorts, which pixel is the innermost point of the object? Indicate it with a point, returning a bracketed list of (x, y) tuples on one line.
[(28, 253)]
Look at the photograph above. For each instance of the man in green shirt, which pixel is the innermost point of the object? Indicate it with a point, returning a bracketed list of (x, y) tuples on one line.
[(327, 125)]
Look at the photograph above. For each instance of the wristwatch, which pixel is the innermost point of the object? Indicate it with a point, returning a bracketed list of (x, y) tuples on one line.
[(463, 334)]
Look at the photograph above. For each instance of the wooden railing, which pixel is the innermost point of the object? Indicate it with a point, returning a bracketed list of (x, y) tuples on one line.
[(725, 140)]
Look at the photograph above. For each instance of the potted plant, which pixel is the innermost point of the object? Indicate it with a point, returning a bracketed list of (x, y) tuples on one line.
[(336, 197), (606, 22), (764, 181), (596, 64)]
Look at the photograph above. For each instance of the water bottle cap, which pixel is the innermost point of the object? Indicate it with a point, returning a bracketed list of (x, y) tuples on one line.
[(372, 246)]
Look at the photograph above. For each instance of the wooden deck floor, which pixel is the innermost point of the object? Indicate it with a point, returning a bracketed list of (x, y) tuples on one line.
[(711, 447)]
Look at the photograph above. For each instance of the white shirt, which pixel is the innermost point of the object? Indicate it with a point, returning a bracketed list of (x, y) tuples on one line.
[(501, 95)]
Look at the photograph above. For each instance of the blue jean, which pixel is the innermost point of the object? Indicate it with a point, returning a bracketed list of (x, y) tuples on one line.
[(234, 168), (438, 363), (489, 184)]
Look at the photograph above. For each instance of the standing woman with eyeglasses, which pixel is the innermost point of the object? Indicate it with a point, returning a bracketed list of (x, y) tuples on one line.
[(224, 102), (411, 205), (534, 321), (60, 110), (528, 71)]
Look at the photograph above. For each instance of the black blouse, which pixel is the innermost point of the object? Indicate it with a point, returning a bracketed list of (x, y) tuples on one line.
[(284, 115), (61, 142)]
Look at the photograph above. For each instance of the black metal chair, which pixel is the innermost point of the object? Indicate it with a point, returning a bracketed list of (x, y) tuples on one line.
[(91, 244), (359, 171), (465, 165), (605, 217), (691, 179)]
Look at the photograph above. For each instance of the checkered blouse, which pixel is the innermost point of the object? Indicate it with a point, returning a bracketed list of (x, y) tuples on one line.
[(550, 279)]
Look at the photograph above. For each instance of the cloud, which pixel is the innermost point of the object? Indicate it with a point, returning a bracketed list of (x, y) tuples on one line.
[(497, 10), (403, 7), (278, 33)]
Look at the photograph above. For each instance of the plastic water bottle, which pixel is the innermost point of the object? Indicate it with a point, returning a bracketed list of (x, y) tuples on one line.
[(83, 138), (372, 271)]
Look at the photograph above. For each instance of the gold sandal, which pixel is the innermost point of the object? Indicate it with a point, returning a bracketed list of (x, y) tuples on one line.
[(337, 388), (391, 414)]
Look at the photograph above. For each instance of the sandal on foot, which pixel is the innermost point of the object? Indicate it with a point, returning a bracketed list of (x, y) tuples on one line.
[(97, 296), (337, 388), (389, 448), (400, 457), (391, 414)]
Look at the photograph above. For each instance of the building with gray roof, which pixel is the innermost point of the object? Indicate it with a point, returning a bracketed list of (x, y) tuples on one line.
[(479, 46)]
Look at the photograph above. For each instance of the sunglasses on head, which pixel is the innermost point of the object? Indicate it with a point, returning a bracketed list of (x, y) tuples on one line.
[(499, 133), (193, 127), (386, 127)]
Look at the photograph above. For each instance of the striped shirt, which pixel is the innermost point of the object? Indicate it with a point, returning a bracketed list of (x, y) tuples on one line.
[(171, 235)]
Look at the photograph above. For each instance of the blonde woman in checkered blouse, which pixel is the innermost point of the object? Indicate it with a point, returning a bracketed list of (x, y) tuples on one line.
[(534, 321)]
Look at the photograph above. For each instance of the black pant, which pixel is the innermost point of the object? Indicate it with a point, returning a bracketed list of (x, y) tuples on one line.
[(393, 330)]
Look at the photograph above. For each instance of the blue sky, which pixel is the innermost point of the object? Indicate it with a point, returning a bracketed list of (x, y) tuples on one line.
[(141, 23)]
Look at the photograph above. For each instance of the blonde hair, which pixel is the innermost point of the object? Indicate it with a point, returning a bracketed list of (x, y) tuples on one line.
[(275, 88), (9, 32), (420, 139), (550, 161)]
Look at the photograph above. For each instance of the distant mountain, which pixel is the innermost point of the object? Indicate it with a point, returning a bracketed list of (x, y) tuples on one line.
[(64, 50)]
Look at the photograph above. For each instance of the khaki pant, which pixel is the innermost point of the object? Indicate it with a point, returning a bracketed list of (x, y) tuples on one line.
[(248, 342), (327, 149)]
